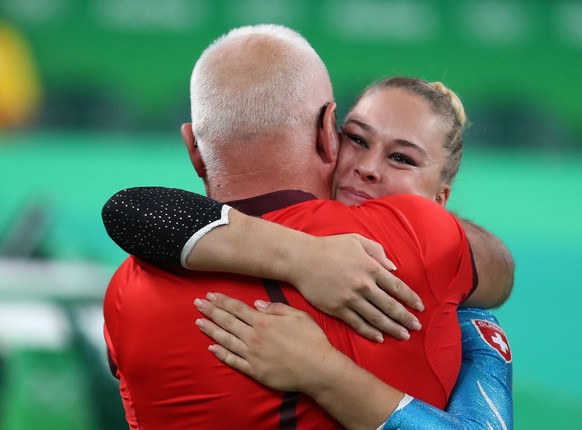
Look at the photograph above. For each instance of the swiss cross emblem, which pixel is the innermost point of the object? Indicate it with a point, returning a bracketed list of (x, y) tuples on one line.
[(495, 338)]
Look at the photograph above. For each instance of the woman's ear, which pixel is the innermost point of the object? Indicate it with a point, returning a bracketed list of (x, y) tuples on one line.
[(193, 151), (327, 137), (443, 196)]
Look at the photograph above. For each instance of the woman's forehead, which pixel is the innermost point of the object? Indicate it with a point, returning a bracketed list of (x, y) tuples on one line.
[(398, 110), (392, 97)]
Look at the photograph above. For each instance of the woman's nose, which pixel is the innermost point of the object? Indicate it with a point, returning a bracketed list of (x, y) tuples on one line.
[(367, 170)]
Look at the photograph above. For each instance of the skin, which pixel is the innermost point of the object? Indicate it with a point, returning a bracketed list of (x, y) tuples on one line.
[(391, 143)]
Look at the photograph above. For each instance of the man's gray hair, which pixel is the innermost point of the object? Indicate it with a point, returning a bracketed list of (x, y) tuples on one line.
[(252, 83)]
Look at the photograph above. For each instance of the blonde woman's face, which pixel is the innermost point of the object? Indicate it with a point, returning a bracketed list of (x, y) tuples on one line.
[(391, 143)]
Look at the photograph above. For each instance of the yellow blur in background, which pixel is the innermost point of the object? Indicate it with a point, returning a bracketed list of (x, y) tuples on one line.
[(20, 91)]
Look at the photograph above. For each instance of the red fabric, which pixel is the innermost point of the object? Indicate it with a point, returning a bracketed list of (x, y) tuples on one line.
[(173, 382)]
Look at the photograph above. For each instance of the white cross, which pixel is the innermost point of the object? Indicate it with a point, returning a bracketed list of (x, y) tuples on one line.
[(499, 341)]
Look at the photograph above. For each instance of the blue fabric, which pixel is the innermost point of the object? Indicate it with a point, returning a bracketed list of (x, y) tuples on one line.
[(482, 397)]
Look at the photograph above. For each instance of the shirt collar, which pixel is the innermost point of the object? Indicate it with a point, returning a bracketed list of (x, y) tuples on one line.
[(260, 205)]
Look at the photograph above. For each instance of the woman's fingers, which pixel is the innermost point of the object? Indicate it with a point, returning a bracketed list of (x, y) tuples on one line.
[(220, 328), (230, 350), (399, 290)]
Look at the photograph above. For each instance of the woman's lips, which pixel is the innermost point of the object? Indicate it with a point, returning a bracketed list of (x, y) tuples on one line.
[(355, 195)]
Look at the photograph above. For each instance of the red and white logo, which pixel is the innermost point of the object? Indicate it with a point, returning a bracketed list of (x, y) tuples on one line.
[(494, 336)]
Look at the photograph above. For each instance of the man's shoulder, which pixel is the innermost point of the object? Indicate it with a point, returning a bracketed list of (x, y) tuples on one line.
[(130, 263), (410, 215), (397, 200), (396, 206), (134, 266), (407, 203), (410, 206), (123, 272), (307, 208), (130, 269)]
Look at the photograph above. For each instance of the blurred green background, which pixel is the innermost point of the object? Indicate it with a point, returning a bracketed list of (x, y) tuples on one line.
[(92, 94)]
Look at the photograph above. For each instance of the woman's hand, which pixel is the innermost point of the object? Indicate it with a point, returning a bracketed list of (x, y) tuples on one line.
[(279, 346), (285, 349), (349, 276)]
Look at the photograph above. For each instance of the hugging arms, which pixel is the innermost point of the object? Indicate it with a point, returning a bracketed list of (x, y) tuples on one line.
[(485, 376), (393, 142)]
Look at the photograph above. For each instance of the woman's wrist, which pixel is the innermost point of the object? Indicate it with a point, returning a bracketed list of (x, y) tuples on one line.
[(339, 382), (296, 256)]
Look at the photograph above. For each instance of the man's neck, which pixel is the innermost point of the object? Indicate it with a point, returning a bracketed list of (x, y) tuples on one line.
[(267, 166), (255, 184)]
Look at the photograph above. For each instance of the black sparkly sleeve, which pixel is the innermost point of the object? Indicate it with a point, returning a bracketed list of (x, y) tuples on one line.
[(161, 225)]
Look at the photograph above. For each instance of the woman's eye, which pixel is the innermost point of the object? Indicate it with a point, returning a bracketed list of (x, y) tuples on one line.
[(403, 159), (357, 140)]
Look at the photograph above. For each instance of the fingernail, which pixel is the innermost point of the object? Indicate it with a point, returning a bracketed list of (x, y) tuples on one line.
[(260, 304), (416, 325), (200, 323), (419, 306), (198, 303), (380, 338), (211, 296), (391, 265), (404, 335)]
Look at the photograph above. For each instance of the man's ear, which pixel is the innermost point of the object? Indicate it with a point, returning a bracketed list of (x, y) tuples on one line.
[(327, 137), (193, 152)]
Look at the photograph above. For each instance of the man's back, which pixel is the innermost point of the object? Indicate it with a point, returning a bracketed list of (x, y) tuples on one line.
[(432, 256), (172, 379), (174, 382)]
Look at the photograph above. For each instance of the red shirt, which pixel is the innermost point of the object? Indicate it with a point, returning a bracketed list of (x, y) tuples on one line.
[(170, 380)]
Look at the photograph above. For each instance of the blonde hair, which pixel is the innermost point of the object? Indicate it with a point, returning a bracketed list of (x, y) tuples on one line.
[(445, 103), (252, 83), (454, 100)]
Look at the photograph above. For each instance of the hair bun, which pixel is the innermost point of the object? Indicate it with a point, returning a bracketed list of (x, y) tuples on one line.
[(453, 99)]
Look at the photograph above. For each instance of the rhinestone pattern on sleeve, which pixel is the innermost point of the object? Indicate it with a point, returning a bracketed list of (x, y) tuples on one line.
[(154, 223)]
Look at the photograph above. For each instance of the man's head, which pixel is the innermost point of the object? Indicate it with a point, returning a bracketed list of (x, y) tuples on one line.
[(256, 96)]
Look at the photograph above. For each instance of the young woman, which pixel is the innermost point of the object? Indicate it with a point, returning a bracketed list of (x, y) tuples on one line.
[(402, 136)]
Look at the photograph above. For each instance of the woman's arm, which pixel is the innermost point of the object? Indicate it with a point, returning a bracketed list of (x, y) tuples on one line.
[(482, 397), (284, 349), (345, 276), (495, 267)]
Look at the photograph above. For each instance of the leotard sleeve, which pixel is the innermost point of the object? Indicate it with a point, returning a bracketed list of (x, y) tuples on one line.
[(161, 225), (482, 396)]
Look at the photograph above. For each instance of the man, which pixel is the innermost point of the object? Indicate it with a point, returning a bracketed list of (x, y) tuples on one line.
[(260, 91)]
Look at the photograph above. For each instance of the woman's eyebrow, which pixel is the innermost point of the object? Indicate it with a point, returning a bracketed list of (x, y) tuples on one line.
[(361, 124), (411, 145)]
